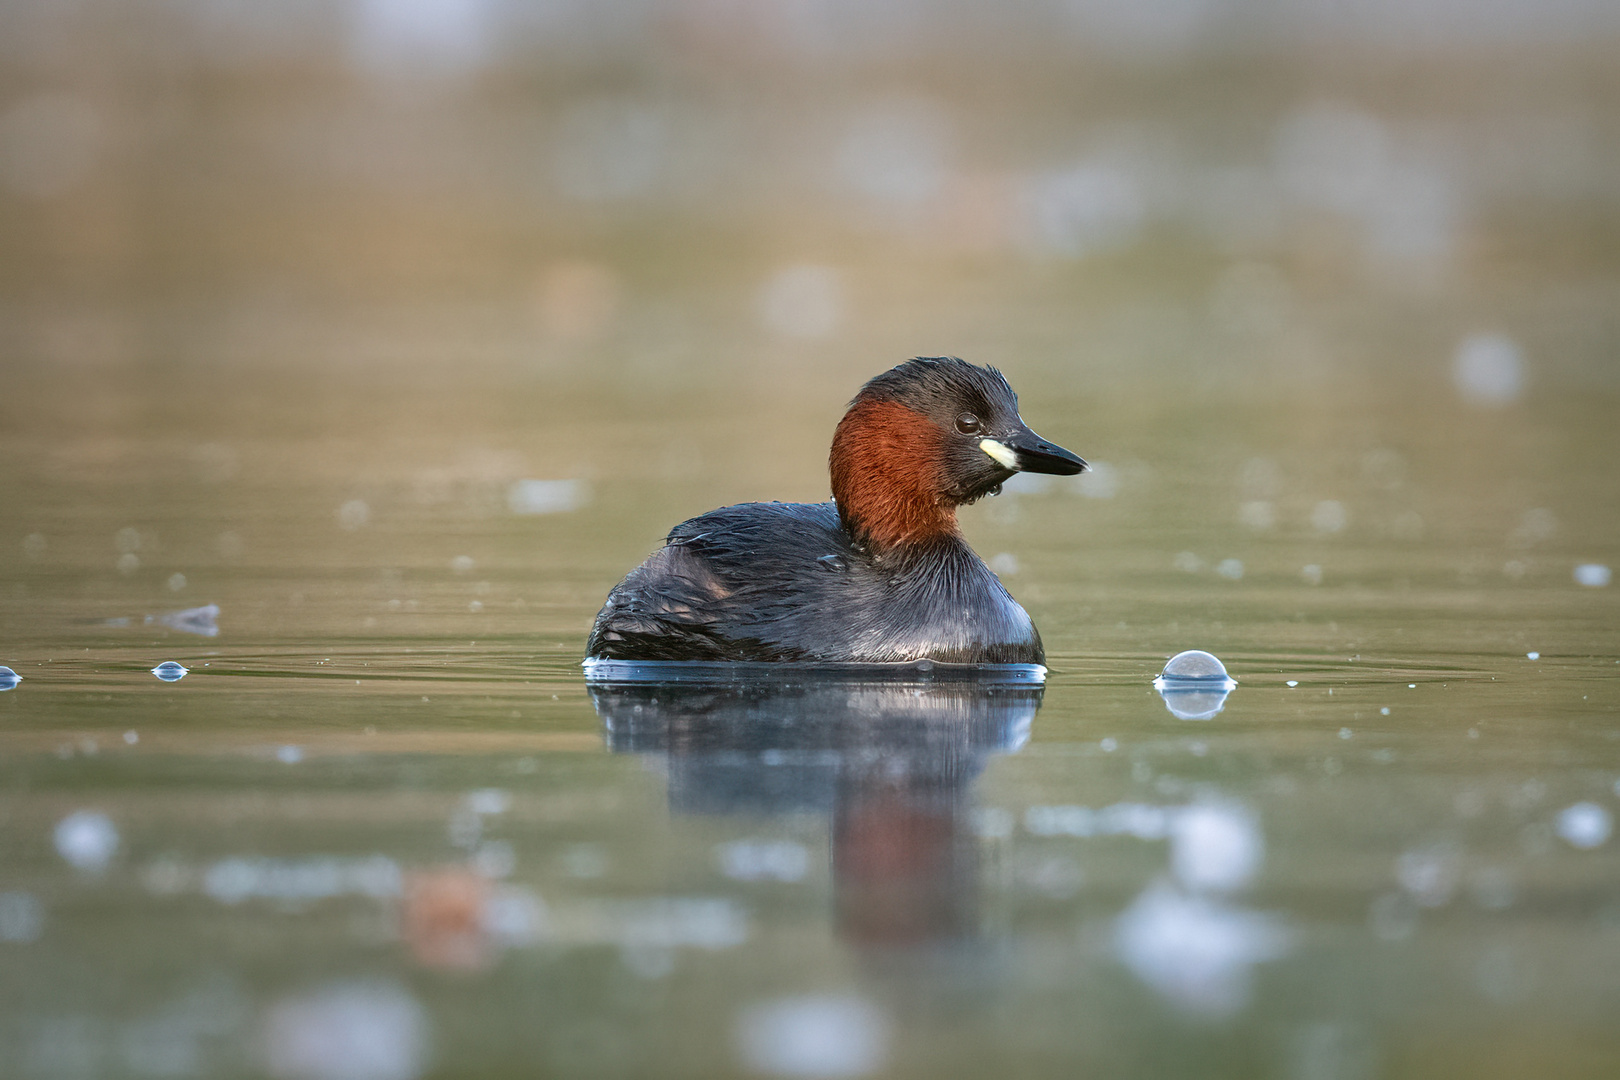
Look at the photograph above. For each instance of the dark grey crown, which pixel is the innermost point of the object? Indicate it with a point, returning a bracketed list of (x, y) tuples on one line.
[(943, 385)]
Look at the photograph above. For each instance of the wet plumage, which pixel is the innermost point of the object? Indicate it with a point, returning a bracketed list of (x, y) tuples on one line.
[(880, 574)]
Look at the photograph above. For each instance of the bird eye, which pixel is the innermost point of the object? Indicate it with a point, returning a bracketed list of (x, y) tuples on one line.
[(967, 423)]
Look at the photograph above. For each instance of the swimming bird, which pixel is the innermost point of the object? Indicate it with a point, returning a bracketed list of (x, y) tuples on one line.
[(881, 574)]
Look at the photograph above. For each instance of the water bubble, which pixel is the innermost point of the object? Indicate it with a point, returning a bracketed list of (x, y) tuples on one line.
[(813, 1036), (1384, 711), (1488, 369), (1188, 563), (1592, 575), (462, 564), (1532, 656), (131, 737), (170, 671), (8, 678), (1195, 664), (1585, 825), (1231, 569), (1005, 563), (289, 755), (177, 582), (1292, 682), (128, 563), (87, 839), (1194, 685)]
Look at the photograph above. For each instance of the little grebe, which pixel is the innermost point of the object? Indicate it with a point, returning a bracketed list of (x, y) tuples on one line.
[(878, 575)]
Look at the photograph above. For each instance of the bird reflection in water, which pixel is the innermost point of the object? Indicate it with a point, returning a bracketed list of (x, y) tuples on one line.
[(890, 760)]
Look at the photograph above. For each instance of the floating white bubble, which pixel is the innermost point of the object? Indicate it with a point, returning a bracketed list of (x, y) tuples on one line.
[(1194, 685), (1532, 656), (1585, 825), (1230, 569), (813, 1036), (171, 671), (87, 839)]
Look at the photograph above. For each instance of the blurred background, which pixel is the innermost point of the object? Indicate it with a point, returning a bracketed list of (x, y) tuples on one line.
[(647, 194)]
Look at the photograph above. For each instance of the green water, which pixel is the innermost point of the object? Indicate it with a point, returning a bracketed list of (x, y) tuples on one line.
[(382, 826)]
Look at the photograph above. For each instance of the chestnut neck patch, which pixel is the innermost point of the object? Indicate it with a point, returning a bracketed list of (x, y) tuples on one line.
[(886, 476)]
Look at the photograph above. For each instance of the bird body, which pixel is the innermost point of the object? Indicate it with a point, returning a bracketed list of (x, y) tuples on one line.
[(878, 575)]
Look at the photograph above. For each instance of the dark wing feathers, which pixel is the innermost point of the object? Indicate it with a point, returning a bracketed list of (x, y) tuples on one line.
[(717, 575)]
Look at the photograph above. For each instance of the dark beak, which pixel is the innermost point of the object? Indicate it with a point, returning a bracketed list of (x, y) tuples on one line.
[(1035, 454)]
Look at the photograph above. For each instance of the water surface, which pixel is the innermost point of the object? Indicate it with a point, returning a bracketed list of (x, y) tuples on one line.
[(382, 826)]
